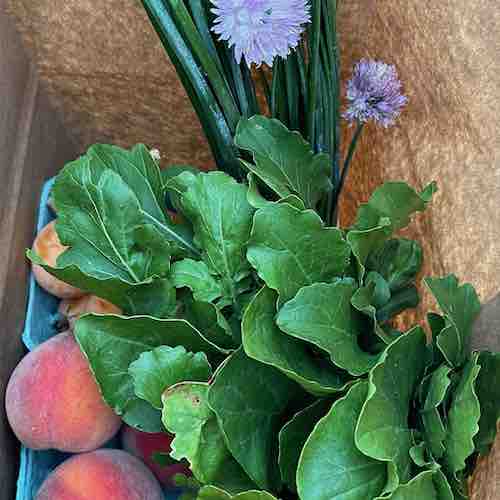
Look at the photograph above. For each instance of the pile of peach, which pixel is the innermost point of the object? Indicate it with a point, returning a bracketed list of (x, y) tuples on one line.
[(53, 402)]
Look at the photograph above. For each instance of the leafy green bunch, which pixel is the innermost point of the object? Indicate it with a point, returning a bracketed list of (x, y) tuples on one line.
[(262, 337)]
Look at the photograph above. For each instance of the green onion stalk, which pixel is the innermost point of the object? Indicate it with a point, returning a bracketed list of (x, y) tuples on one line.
[(232, 69)]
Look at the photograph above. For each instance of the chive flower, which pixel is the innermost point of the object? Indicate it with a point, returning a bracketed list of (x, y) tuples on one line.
[(374, 93), (260, 30)]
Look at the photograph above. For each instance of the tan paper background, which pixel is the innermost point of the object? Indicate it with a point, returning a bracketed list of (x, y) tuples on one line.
[(110, 81)]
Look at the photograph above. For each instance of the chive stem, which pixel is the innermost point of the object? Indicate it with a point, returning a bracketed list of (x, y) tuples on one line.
[(333, 211)]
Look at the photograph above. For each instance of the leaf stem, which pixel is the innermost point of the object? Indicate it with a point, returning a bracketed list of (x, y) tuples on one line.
[(207, 62), (207, 107), (314, 67), (333, 210), (172, 235)]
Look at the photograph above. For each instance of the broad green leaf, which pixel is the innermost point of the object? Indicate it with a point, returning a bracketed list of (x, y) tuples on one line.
[(388, 210), (436, 323), (459, 486), (488, 392), (172, 171), (330, 465), (214, 493), (208, 318), (418, 453), (396, 201), (284, 160), (196, 276), (460, 306), (249, 399), (217, 207), (398, 261), (363, 301), (290, 249), (179, 184), (105, 229), (434, 429), (406, 298), (138, 169), (254, 196), (264, 342), (322, 315), (86, 201), (258, 201), (383, 431), (142, 416), (381, 291), (294, 201), (369, 299), (420, 487), (197, 435), (112, 343), (443, 488), (189, 483), (155, 296), (157, 370), (363, 242), (463, 419), (293, 436), (120, 240)]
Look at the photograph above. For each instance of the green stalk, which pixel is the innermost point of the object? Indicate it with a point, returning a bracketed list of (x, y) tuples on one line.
[(292, 78), (199, 49), (314, 62), (330, 28), (238, 83), (199, 12), (345, 170), (254, 108), (302, 75), (332, 8), (244, 84), (279, 98), (207, 108), (323, 128), (327, 89)]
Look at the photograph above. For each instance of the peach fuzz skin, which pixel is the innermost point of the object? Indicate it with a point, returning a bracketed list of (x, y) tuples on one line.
[(53, 401), (101, 475), (48, 247), (72, 309), (143, 446)]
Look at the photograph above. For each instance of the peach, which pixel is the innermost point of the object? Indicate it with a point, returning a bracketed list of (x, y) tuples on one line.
[(72, 309), (101, 475), (48, 247), (53, 401), (144, 446)]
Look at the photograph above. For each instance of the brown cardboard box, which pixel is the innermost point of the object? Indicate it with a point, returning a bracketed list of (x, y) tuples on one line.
[(108, 79)]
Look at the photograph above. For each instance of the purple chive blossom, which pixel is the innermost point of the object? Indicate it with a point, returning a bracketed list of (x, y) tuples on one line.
[(374, 93), (260, 30)]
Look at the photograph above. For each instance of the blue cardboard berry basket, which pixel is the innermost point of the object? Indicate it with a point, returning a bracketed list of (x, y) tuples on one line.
[(41, 318)]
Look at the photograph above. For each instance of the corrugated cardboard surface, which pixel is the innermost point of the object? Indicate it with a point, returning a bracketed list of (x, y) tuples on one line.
[(109, 79), (108, 75)]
